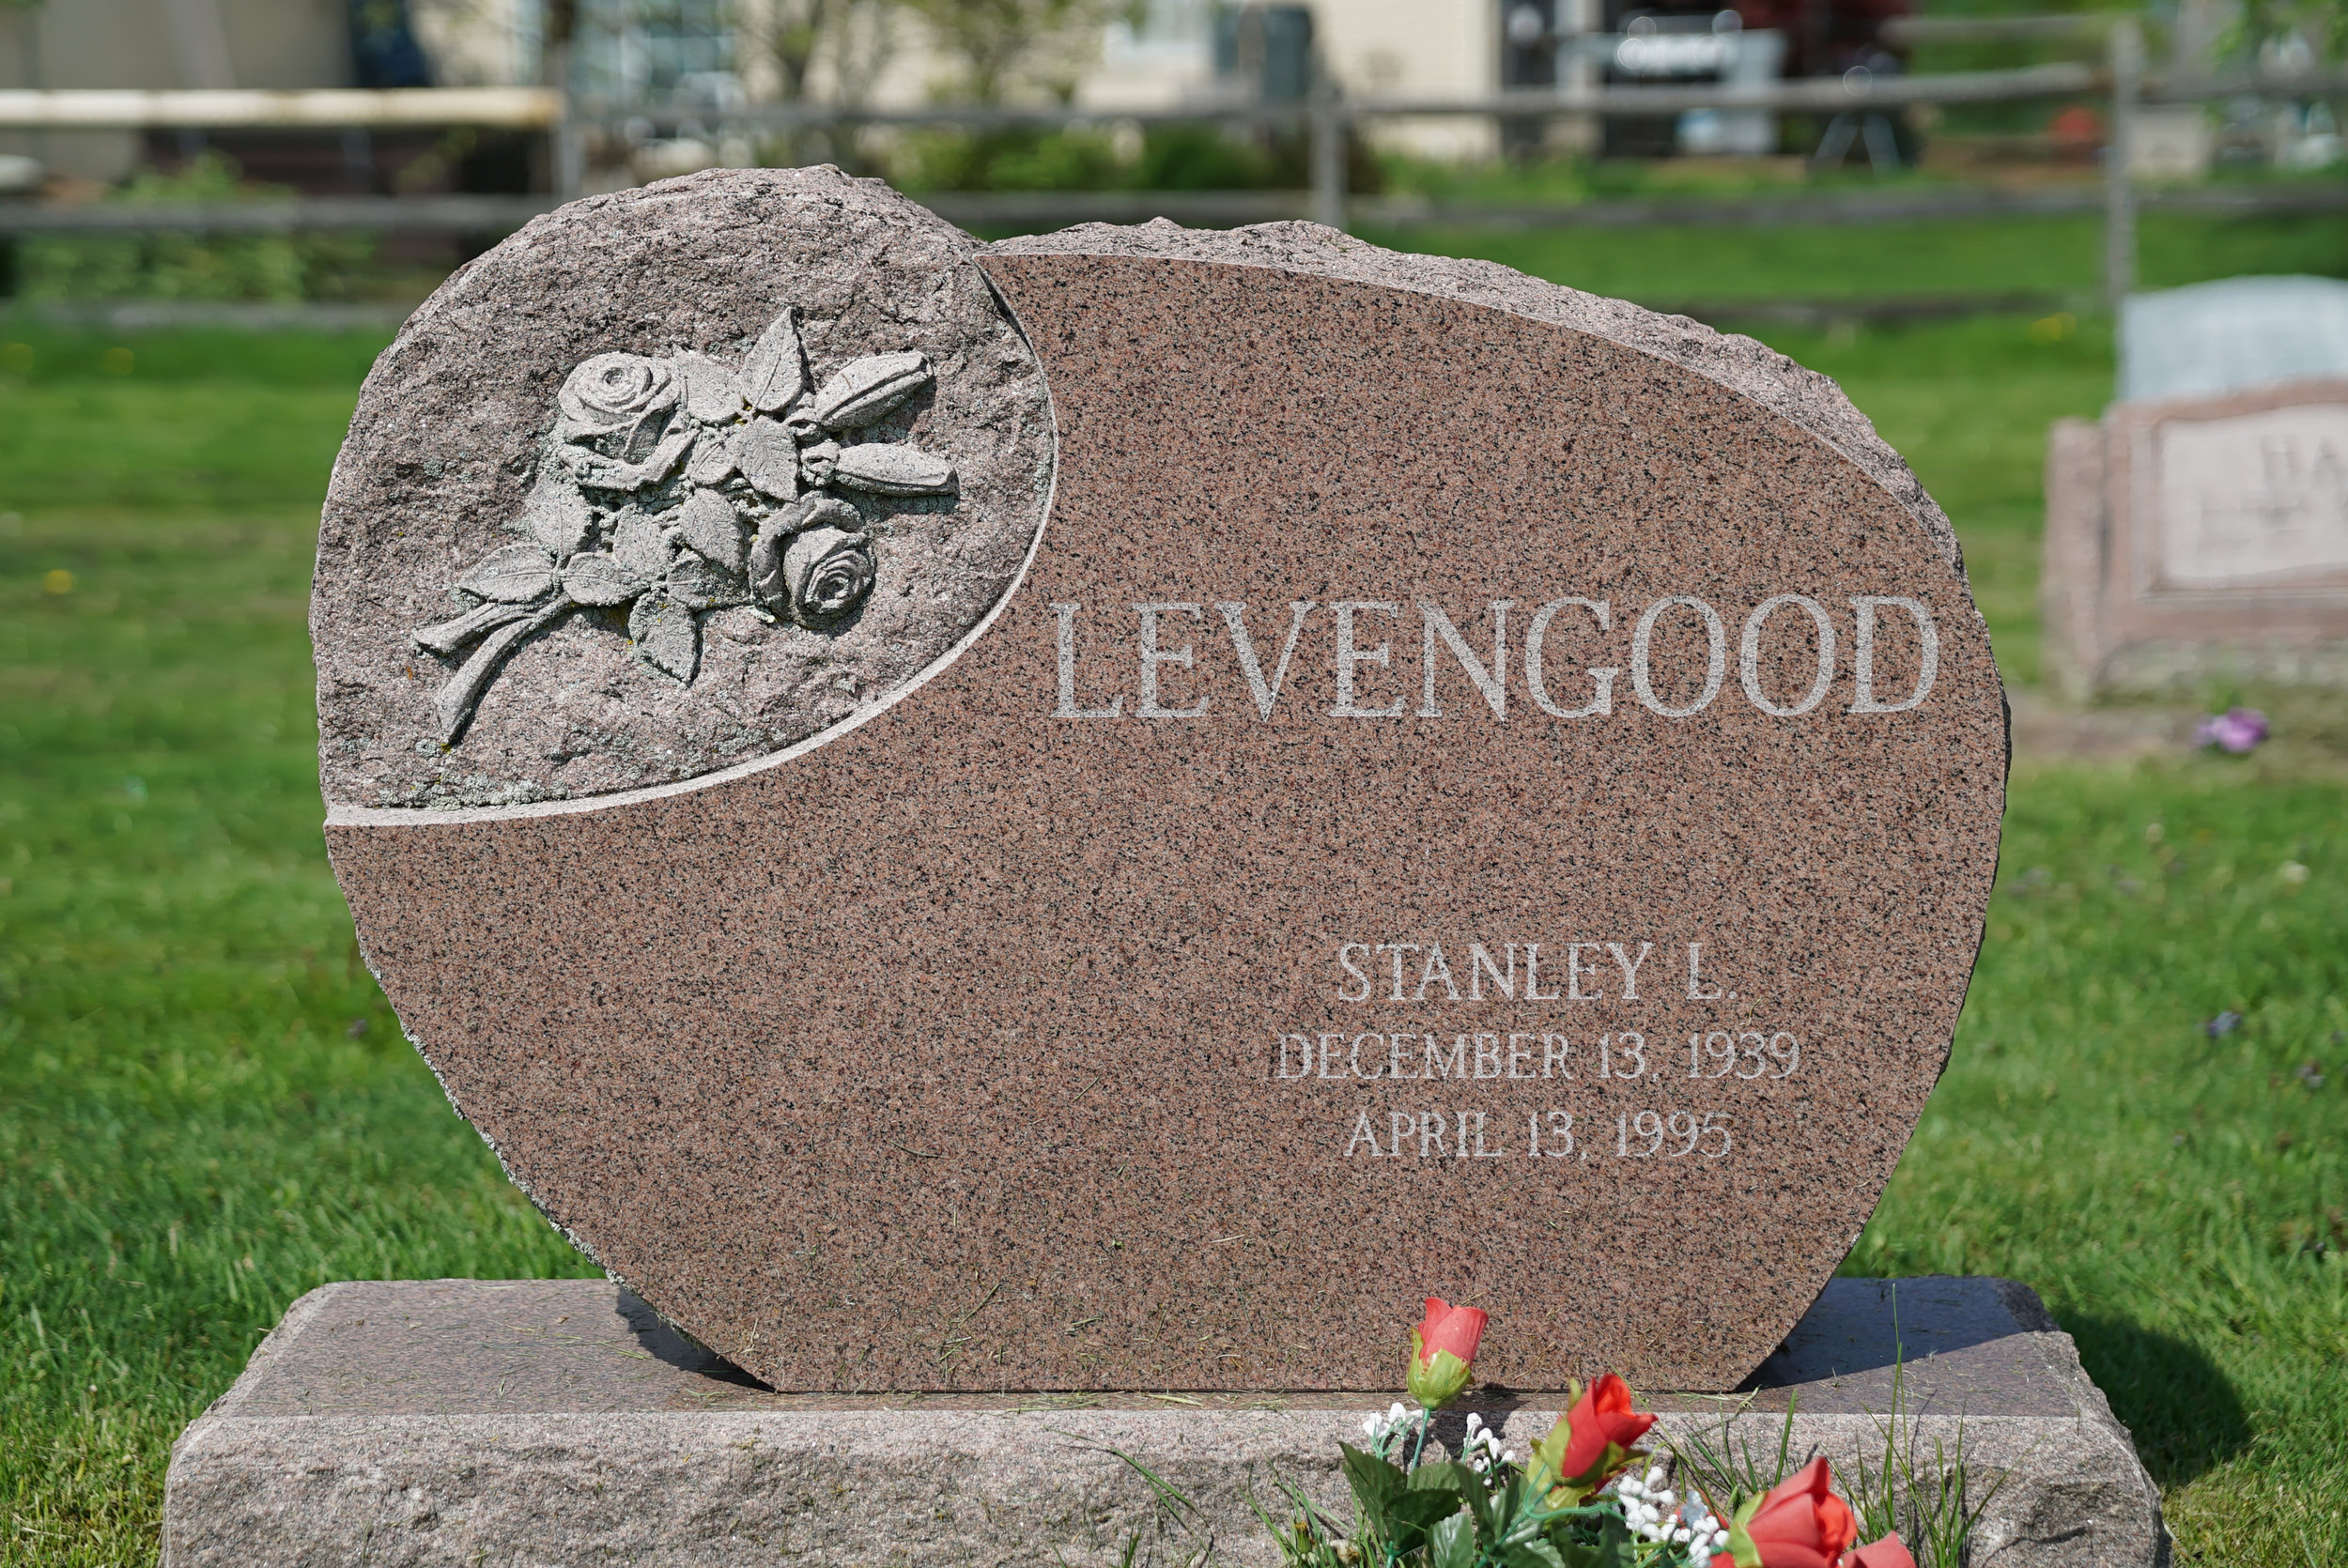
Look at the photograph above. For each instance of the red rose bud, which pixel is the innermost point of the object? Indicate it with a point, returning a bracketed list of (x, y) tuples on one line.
[(1889, 1552), (1591, 1442), (1443, 1352), (1601, 1419), (1800, 1523)]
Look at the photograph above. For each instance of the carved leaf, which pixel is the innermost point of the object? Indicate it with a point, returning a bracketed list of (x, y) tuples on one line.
[(713, 395), (697, 585), (775, 375), (707, 521), (713, 458), (557, 516), (667, 637), (599, 580), (516, 575), (886, 469), (865, 390), (637, 545), (768, 458)]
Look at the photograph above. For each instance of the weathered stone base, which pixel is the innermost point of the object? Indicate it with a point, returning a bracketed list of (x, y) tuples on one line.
[(551, 1422)]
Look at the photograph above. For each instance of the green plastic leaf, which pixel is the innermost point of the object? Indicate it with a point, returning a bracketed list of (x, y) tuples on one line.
[(1612, 1550), (1439, 1474), (1452, 1542), (1421, 1510), (1530, 1554), (1375, 1481)]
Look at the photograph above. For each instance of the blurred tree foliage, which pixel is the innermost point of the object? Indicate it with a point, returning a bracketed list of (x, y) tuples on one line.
[(193, 266), (999, 45), (2290, 33)]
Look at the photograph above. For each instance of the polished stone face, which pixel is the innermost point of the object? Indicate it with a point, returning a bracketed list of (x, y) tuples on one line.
[(1479, 791)]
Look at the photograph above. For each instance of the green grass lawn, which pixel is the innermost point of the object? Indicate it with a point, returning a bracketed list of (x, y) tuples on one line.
[(206, 1109)]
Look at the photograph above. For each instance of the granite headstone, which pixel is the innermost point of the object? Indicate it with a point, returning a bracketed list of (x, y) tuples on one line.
[(1474, 789), (2201, 527)]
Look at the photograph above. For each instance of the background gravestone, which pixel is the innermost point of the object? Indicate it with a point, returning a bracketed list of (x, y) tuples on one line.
[(2202, 529), (1476, 790)]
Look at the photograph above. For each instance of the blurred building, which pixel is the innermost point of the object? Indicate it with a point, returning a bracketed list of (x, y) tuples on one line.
[(719, 54)]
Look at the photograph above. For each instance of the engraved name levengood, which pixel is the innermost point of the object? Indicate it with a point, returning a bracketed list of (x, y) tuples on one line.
[(1357, 664), (678, 484)]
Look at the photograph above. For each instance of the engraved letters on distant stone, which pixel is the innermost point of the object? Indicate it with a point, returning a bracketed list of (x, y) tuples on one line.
[(678, 484)]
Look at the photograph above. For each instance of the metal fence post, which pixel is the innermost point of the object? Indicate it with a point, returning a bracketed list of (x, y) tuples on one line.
[(2127, 70), (1328, 147)]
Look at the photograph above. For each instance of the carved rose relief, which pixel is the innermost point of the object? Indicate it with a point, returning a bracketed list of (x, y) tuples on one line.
[(680, 484)]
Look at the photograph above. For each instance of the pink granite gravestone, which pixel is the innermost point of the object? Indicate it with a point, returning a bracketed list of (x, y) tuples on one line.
[(2200, 535), (1472, 788)]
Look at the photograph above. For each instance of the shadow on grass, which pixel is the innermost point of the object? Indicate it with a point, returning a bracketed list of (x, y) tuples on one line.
[(2183, 1414)]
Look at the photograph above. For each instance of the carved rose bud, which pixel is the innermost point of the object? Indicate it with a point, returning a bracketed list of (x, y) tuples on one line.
[(864, 391), (829, 572), (611, 391)]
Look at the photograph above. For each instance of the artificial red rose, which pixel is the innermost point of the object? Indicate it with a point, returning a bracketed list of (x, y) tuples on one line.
[(1458, 1330), (1602, 1416), (1800, 1523), (1889, 1552), (1443, 1349)]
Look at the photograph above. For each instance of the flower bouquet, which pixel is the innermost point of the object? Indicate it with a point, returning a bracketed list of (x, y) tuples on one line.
[(1585, 1495)]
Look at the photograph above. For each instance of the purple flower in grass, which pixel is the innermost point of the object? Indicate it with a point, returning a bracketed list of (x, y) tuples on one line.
[(2238, 730)]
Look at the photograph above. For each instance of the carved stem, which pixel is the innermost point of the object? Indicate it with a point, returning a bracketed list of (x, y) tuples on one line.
[(456, 701), (449, 635)]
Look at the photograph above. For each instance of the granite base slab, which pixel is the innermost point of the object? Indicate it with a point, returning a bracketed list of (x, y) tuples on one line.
[(558, 1422)]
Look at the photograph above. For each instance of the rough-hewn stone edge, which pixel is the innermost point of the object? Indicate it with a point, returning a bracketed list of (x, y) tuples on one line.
[(1801, 396), (818, 182), (289, 1329), (956, 1488)]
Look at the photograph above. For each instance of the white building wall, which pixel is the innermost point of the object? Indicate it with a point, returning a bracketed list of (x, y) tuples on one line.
[(135, 43), (1417, 49)]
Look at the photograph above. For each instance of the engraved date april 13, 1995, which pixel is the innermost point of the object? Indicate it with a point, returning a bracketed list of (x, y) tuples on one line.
[(1548, 1135)]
